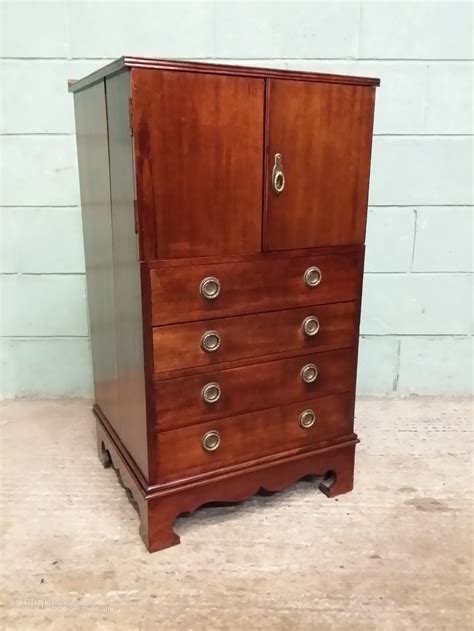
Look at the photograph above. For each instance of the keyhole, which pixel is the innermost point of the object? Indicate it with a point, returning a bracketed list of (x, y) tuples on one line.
[(279, 181)]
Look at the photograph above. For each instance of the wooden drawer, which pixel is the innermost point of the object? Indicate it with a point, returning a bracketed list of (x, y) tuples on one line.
[(179, 402), (181, 346), (266, 284), (253, 435)]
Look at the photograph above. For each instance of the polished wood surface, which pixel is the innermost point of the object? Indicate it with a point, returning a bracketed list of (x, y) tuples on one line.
[(132, 427), (198, 67), (159, 506), (92, 149), (175, 165), (253, 435), (252, 287), (199, 176), (254, 336), (179, 402), (245, 258), (324, 135)]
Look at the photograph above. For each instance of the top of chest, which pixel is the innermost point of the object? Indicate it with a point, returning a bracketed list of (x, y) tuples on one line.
[(215, 68)]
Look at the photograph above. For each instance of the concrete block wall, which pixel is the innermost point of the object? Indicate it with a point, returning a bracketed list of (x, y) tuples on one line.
[(417, 308)]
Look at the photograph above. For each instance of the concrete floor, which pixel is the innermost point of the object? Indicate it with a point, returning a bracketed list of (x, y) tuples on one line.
[(394, 554)]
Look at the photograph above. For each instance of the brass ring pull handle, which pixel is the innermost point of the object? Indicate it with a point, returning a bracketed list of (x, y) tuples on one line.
[(313, 276), (209, 288), (210, 341), (310, 326), (307, 419), (309, 373), (211, 440), (278, 177), (211, 393)]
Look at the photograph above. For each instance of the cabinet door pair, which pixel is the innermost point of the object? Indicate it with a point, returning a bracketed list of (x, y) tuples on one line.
[(230, 164)]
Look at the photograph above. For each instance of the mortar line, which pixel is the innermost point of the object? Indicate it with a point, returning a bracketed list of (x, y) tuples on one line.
[(213, 58), (421, 335), (42, 273), (414, 241), (44, 337), (366, 273), (446, 205), (397, 368), (51, 206), (421, 206), (378, 135), (365, 336), (359, 28)]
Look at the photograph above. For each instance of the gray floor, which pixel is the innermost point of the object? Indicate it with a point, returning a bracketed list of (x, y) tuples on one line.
[(394, 554)]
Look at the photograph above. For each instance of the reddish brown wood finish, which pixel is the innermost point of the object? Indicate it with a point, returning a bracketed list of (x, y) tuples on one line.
[(245, 258), (179, 402), (161, 505), (324, 135), (132, 413), (253, 287), (199, 176), (184, 167), (253, 436), (177, 347)]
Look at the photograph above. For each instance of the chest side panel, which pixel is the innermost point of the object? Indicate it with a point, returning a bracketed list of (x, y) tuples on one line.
[(92, 150), (127, 283)]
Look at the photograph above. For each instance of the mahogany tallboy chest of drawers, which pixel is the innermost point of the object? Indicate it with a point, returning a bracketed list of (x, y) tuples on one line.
[(224, 213)]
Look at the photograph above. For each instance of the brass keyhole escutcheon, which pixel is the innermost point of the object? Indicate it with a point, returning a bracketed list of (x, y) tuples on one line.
[(278, 177)]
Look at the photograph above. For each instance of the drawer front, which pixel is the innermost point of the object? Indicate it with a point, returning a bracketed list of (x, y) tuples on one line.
[(268, 284), (181, 401), (192, 450), (180, 346)]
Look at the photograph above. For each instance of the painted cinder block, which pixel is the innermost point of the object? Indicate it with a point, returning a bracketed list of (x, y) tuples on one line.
[(35, 97), (46, 367), (436, 365), (378, 365), (33, 29), (449, 99), (421, 170), (286, 29), (43, 305), (9, 240), (27, 234), (401, 99), (444, 240), (417, 29), (389, 239), (156, 29), (417, 304), (39, 171)]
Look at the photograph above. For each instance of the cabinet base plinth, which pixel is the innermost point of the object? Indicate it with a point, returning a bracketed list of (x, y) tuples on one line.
[(159, 506)]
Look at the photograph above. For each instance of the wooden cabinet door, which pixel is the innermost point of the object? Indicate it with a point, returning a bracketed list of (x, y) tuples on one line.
[(323, 133), (199, 162)]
